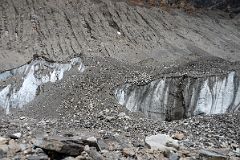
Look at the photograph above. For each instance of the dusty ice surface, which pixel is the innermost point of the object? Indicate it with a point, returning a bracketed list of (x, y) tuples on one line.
[(33, 75)]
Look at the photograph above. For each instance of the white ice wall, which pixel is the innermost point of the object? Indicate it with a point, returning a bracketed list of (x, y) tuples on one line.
[(34, 74), (217, 99), (209, 95)]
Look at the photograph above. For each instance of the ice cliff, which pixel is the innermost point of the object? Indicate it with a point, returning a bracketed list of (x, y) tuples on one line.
[(173, 98), (16, 93)]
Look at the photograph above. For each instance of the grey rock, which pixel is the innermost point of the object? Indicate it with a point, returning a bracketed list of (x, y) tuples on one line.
[(188, 143), (3, 151), (86, 148), (68, 146), (92, 152), (38, 150), (14, 147), (172, 144), (160, 142), (17, 157), (69, 158), (113, 142), (109, 118), (23, 146), (102, 145), (92, 139), (3, 140), (211, 155), (121, 115), (80, 158), (128, 152), (38, 157), (237, 151), (15, 135), (174, 156), (22, 118)]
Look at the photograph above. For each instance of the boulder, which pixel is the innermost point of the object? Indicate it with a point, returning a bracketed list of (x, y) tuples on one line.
[(14, 147), (211, 155), (67, 146), (3, 140), (15, 135), (92, 152), (38, 157), (178, 136), (128, 152), (3, 150), (161, 142)]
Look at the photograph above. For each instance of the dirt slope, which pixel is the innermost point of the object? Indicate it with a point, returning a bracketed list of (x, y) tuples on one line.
[(59, 29)]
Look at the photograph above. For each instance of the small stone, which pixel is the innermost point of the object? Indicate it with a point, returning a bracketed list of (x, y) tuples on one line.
[(185, 152), (86, 148), (80, 157), (69, 158), (18, 157), (38, 157), (15, 135), (22, 118), (121, 115), (23, 147), (234, 145), (178, 136), (119, 33), (109, 118), (28, 151), (25, 125), (92, 139), (84, 154), (38, 150), (188, 143), (138, 144), (94, 154), (171, 144), (237, 151), (106, 110), (128, 152), (102, 145), (102, 132), (187, 158), (104, 151)]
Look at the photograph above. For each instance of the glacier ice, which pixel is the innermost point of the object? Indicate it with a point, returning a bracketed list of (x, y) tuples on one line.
[(166, 99), (33, 75)]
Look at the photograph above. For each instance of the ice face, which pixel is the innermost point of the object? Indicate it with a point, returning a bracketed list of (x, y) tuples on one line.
[(219, 98), (162, 98), (33, 75)]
